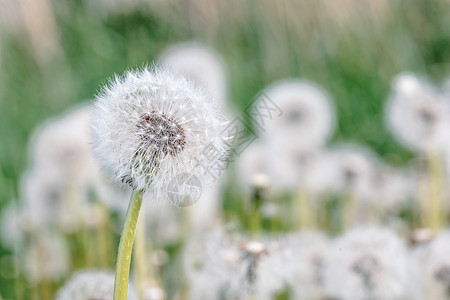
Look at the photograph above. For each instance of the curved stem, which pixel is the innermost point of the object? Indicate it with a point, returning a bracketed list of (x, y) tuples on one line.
[(140, 251), (126, 247)]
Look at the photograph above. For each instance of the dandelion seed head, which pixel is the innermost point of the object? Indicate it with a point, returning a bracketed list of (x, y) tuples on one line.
[(433, 266), (46, 201), (304, 258), (201, 65), (318, 172), (151, 126), (46, 258), (61, 146), (62, 164), (212, 258), (307, 115), (391, 188), (416, 113), (91, 285), (353, 169), (373, 263)]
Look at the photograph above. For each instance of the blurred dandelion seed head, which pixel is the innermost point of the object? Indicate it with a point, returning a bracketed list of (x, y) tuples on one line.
[(46, 258), (373, 262), (91, 285), (433, 266), (307, 113), (201, 65), (417, 114)]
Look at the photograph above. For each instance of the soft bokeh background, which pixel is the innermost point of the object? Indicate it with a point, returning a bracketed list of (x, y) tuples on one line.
[(54, 54)]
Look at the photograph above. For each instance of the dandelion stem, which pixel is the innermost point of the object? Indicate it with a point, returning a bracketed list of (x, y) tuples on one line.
[(436, 209), (305, 213), (126, 247), (140, 251), (348, 210), (255, 218), (103, 235)]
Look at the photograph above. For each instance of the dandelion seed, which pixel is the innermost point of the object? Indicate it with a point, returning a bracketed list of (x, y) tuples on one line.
[(391, 188)]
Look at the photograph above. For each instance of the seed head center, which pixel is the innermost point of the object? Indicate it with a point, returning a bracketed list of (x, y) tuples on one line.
[(162, 133)]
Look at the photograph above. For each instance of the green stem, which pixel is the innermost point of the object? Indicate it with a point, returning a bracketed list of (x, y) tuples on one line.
[(436, 207), (126, 247), (140, 262), (255, 218)]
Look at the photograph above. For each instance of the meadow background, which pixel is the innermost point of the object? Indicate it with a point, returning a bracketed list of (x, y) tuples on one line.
[(54, 54)]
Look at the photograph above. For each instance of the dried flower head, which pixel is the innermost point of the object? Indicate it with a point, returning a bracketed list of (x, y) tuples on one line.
[(89, 285), (153, 129)]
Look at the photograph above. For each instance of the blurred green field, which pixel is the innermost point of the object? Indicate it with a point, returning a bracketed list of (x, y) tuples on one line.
[(352, 48)]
